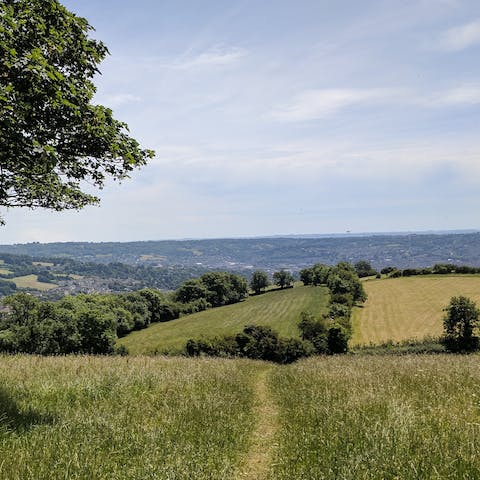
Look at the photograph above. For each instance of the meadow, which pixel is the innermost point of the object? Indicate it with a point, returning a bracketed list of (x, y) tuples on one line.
[(279, 309), (31, 281), (388, 417), (409, 307), (123, 418), (345, 417)]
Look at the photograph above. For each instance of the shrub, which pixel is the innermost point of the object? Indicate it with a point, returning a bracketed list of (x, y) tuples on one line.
[(459, 324)]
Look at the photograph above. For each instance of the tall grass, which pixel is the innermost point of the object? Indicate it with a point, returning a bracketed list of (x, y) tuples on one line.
[(123, 418), (412, 417)]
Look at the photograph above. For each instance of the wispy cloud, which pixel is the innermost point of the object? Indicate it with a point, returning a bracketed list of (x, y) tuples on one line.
[(215, 56), (463, 95), (315, 104), (118, 99), (461, 37)]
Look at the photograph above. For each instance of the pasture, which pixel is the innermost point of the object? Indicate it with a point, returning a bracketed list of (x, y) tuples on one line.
[(31, 281), (387, 417), (123, 418), (409, 307), (279, 309), (349, 417)]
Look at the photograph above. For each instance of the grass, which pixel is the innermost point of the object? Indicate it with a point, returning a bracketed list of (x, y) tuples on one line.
[(388, 417), (407, 308), (5, 271), (43, 264), (123, 418), (31, 281), (278, 309), (345, 417)]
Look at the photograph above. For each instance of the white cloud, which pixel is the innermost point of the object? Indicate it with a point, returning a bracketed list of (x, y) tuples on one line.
[(314, 104), (461, 37), (117, 99), (215, 56), (463, 95)]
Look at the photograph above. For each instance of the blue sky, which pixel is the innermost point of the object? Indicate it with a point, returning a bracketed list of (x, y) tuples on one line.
[(280, 117)]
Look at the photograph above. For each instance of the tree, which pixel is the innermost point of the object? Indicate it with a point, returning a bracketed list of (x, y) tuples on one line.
[(459, 324), (364, 269), (53, 138), (343, 280), (306, 276), (283, 278), (259, 281)]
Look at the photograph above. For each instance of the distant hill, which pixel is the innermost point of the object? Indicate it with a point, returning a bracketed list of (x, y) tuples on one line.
[(294, 252)]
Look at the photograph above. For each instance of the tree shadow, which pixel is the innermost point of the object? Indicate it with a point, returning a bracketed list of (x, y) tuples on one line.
[(19, 420)]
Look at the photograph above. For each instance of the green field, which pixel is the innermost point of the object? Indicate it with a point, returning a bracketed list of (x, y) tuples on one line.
[(31, 281), (348, 417), (410, 307), (278, 309), (123, 418), (387, 417)]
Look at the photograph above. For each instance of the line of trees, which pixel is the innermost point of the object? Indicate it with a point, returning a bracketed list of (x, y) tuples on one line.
[(92, 323), (437, 269), (326, 334)]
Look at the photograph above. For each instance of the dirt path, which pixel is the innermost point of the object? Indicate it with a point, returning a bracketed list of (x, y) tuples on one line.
[(256, 463)]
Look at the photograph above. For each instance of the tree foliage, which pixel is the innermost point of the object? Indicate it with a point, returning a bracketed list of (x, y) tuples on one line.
[(283, 278), (256, 342), (364, 269), (53, 137), (460, 324), (259, 281)]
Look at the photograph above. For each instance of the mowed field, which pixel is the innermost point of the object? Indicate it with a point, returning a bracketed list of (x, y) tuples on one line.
[(31, 281), (344, 417), (279, 309), (412, 307)]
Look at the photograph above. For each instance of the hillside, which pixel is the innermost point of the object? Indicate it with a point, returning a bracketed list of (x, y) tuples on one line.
[(279, 309), (400, 250), (412, 307), (174, 418)]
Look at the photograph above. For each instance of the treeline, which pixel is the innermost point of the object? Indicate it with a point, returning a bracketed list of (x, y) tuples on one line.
[(438, 269), (92, 323), (325, 334)]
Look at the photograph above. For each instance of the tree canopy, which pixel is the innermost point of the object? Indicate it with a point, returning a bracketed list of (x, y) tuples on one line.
[(460, 324), (53, 137)]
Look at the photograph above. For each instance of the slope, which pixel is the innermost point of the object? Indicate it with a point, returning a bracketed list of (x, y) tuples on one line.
[(279, 309), (412, 307)]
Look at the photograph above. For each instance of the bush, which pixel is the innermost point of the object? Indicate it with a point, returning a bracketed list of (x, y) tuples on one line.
[(459, 324), (255, 342), (337, 340)]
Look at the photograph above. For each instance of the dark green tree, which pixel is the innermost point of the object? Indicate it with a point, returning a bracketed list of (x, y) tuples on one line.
[(259, 281), (306, 276), (364, 269), (283, 278), (460, 324), (53, 138)]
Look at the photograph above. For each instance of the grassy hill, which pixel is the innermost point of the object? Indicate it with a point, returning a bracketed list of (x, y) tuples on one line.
[(412, 307), (279, 309), (349, 417)]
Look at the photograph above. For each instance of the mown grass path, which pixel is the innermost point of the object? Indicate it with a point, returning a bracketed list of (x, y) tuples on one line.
[(256, 463)]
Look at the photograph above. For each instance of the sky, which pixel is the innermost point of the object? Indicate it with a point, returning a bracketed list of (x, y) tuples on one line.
[(283, 117)]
